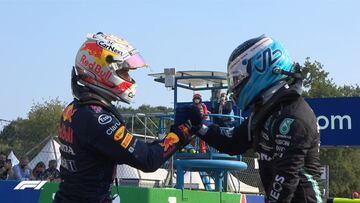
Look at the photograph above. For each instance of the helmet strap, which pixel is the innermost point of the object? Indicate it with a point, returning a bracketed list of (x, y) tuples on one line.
[(282, 91), (87, 96)]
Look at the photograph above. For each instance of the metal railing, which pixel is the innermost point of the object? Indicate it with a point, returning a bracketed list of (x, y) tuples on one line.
[(147, 125)]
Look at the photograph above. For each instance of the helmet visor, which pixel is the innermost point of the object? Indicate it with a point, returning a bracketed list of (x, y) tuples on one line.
[(238, 75), (136, 61), (239, 72), (132, 62)]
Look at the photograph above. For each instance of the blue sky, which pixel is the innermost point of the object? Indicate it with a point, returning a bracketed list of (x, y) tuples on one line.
[(39, 40)]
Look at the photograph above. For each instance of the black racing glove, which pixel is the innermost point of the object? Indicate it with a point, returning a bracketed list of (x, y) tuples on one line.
[(190, 116), (183, 133)]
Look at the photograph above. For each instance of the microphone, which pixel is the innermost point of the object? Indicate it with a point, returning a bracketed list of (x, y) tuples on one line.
[(295, 75)]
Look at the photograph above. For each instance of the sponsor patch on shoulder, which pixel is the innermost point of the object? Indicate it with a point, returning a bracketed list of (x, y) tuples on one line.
[(96, 109), (119, 134), (125, 143), (104, 119)]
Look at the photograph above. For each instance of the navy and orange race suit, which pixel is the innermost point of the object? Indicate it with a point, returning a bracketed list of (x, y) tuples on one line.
[(93, 141)]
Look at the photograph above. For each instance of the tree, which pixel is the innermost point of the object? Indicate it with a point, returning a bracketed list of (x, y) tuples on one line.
[(316, 82), (21, 135), (343, 163)]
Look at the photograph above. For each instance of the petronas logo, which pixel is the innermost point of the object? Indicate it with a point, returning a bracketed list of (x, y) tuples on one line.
[(285, 126)]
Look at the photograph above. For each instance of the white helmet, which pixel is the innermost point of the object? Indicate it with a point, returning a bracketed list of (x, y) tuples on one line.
[(103, 63)]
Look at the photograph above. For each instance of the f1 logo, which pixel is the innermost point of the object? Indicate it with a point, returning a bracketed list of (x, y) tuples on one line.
[(29, 184)]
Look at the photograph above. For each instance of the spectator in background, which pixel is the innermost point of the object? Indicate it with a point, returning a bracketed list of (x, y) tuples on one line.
[(2, 156), (5, 167), (3, 170), (197, 101), (38, 172), (22, 171), (223, 106), (52, 173)]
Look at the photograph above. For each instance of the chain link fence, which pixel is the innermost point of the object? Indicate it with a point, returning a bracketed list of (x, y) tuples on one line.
[(250, 176)]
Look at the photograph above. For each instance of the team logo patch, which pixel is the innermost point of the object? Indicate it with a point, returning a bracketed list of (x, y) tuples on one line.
[(96, 109), (184, 129), (169, 141), (285, 126), (119, 134), (68, 113), (104, 119), (125, 143), (132, 147)]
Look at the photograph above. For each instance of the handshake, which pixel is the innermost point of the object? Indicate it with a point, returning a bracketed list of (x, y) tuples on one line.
[(189, 115), (188, 121)]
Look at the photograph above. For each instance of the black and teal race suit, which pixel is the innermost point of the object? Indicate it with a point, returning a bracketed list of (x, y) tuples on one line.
[(286, 141), (93, 141)]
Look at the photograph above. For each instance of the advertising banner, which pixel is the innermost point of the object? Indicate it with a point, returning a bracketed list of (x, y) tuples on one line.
[(338, 119)]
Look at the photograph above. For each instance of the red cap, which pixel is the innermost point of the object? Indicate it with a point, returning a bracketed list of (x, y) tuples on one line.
[(197, 96)]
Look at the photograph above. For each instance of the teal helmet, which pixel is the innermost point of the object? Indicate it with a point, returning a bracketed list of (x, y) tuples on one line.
[(255, 66)]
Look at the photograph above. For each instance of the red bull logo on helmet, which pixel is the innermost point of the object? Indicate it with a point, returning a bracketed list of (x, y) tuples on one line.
[(93, 49), (96, 68)]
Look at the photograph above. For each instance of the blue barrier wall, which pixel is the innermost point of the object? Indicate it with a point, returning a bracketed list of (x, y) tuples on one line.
[(8, 193)]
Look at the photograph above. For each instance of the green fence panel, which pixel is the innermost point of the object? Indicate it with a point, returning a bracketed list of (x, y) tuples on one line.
[(154, 195), (47, 192)]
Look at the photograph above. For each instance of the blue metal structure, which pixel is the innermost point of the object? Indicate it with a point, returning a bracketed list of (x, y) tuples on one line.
[(219, 168), (195, 81), (210, 164)]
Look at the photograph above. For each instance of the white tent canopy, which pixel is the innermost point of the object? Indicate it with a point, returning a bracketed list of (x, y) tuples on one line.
[(48, 152), (14, 159), (133, 176)]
